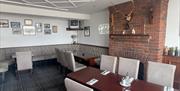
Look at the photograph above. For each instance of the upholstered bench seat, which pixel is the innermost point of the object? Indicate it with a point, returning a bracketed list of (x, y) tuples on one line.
[(43, 57), (7, 61)]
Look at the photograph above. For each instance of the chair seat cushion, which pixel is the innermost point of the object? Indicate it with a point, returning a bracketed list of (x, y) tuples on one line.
[(3, 67), (43, 57), (79, 66), (7, 61), (3, 70)]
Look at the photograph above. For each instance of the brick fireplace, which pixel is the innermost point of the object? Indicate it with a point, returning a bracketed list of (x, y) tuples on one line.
[(149, 22)]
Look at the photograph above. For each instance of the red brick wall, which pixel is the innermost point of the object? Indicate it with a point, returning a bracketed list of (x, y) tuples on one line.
[(156, 29)]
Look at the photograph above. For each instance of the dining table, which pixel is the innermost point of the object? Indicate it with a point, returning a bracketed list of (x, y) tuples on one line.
[(85, 58), (111, 81)]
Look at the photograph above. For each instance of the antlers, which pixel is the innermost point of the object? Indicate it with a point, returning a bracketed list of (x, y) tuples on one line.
[(130, 14)]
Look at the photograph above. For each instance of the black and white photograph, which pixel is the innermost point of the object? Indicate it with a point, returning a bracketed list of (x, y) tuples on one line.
[(17, 31), (47, 26), (4, 23), (87, 31), (15, 25), (38, 27), (29, 30), (47, 31)]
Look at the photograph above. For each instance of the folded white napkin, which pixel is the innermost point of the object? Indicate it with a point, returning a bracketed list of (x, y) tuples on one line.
[(92, 81), (105, 72)]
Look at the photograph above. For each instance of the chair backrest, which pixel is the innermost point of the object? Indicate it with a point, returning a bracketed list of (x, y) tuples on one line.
[(108, 63), (74, 86), (70, 60), (24, 60), (160, 73), (130, 66), (61, 57)]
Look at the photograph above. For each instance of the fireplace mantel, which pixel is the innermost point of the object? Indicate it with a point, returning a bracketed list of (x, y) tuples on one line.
[(131, 37)]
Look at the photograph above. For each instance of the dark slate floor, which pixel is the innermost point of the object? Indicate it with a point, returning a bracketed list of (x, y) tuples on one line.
[(46, 77)]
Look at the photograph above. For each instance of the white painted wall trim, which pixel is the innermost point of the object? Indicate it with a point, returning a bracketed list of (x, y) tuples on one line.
[(8, 8)]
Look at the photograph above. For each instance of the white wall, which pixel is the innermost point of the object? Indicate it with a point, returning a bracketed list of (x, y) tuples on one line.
[(173, 24), (8, 39), (95, 38)]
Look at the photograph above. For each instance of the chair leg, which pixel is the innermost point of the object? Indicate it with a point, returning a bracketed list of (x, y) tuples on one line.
[(64, 72), (59, 67), (31, 71), (3, 76), (17, 75)]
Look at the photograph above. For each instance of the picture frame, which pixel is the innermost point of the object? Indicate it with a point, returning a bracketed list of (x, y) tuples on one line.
[(4, 23), (74, 24), (103, 28), (47, 26), (28, 22), (29, 30), (38, 27), (54, 29), (15, 25), (87, 31), (17, 31), (47, 31)]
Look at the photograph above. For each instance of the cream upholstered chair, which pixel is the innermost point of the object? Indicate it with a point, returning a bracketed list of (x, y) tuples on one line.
[(160, 73), (24, 61), (72, 65), (130, 66), (3, 69), (108, 63), (74, 86), (60, 57)]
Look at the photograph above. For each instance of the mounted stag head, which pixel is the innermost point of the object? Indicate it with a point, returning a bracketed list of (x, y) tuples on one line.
[(129, 16)]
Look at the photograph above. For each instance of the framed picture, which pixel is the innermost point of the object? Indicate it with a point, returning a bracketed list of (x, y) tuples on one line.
[(54, 29), (38, 27), (87, 31), (4, 23), (28, 22), (15, 25), (103, 29), (46, 25), (17, 31), (29, 30), (73, 24), (47, 31)]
